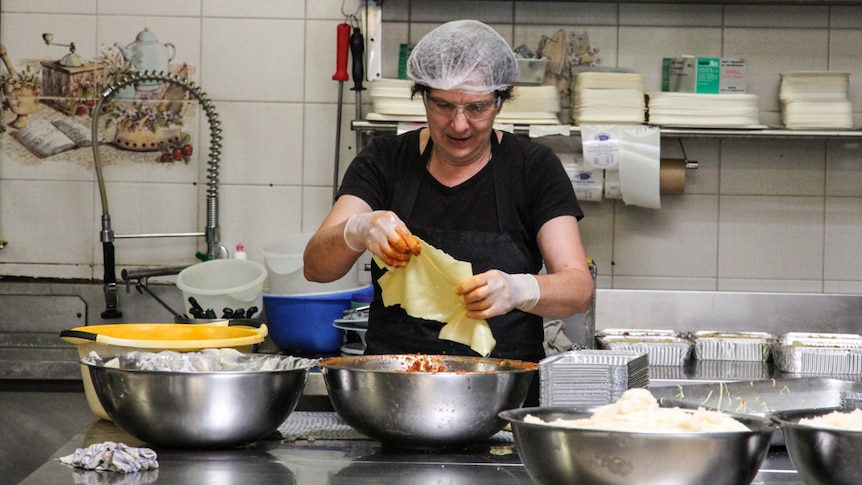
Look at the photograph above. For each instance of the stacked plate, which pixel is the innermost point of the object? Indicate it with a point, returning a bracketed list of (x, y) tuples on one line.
[(391, 101), (689, 110), (815, 100), (590, 377), (608, 98), (354, 324)]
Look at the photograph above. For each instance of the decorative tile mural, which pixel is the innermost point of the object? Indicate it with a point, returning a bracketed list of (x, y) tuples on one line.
[(49, 104)]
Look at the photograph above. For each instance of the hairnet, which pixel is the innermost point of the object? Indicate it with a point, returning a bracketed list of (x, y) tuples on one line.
[(464, 55)]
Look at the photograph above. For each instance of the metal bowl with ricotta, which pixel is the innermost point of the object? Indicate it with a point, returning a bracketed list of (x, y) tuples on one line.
[(555, 453), (176, 400), (823, 454), (425, 401)]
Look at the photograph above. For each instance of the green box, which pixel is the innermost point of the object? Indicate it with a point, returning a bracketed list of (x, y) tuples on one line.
[(703, 75), (403, 53)]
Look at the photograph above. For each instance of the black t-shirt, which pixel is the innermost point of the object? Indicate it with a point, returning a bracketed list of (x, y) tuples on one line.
[(537, 187)]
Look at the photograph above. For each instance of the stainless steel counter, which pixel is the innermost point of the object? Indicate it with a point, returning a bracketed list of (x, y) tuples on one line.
[(325, 462)]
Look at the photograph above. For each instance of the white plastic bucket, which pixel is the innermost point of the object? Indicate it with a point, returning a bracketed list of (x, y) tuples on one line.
[(223, 283), (283, 260)]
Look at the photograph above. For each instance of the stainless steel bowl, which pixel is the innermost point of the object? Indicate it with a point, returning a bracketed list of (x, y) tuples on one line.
[(556, 454), (197, 410), (822, 456), (425, 401)]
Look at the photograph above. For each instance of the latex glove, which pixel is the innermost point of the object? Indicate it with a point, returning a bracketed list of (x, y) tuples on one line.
[(495, 293), (384, 234)]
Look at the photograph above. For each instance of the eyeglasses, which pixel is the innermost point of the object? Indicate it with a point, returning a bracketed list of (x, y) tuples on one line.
[(472, 111)]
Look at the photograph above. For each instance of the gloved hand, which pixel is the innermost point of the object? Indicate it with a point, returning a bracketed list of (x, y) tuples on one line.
[(384, 234), (495, 293)]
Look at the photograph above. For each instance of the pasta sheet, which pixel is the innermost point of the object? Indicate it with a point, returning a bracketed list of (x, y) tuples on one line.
[(425, 288)]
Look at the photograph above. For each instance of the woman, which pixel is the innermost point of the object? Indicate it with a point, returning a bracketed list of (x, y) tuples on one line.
[(496, 200)]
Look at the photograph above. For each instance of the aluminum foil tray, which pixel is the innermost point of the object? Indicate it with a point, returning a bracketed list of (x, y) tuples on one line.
[(636, 332), (818, 354), (808, 339), (590, 377), (661, 349), (724, 370), (733, 346)]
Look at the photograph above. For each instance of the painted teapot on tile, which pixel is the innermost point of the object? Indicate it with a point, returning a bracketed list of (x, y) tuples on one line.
[(147, 54)]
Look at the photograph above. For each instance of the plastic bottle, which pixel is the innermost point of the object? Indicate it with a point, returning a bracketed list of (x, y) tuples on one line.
[(240, 252)]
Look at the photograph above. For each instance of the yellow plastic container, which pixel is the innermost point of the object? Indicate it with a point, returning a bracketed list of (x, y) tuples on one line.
[(154, 337)]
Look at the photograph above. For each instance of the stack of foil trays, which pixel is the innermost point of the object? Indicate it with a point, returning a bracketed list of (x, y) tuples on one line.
[(585, 378)]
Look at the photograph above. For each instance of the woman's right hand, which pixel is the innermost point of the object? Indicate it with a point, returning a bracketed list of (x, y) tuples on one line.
[(384, 234)]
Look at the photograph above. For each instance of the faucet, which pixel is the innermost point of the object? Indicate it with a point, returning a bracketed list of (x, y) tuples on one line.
[(215, 250)]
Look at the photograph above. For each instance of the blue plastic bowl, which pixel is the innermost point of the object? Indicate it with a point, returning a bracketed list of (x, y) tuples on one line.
[(303, 323)]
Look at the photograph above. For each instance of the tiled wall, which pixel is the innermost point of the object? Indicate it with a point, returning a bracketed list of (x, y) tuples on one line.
[(758, 215)]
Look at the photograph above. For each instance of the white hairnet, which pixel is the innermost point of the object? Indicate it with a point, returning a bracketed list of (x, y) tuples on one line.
[(464, 55)]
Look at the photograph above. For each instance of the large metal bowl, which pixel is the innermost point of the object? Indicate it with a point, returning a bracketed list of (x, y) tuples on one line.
[(425, 401), (822, 456), (197, 409), (557, 454)]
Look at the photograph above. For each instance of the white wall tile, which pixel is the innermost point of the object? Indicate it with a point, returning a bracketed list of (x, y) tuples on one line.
[(258, 215), (316, 202), (799, 16), (845, 287), (664, 283), (581, 15), (49, 6), (253, 60), (597, 234), (785, 167), (843, 239), (845, 16), (287, 9), (46, 221), (162, 8), (319, 153), (678, 240), (770, 286), (757, 167), (843, 169), (441, 11), (397, 11), (681, 15), (770, 238), (333, 9), (262, 143)]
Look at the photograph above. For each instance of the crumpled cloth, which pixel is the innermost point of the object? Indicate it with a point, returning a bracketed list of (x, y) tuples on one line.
[(113, 457)]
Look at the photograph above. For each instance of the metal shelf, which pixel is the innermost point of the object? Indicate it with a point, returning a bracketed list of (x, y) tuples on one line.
[(774, 133)]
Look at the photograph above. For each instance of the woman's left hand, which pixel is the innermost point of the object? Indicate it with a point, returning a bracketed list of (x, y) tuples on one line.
[(495, 293)]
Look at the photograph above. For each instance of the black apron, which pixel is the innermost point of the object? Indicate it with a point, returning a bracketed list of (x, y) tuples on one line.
[(519, 335)]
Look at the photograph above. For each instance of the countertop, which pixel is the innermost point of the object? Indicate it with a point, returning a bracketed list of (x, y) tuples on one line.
[(324, 462)]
